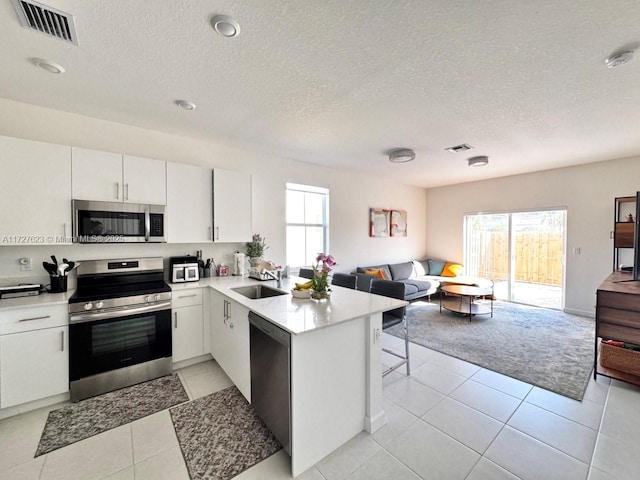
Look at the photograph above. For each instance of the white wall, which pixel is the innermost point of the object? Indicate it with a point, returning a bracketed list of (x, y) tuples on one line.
[(351, 194), (587, 192)]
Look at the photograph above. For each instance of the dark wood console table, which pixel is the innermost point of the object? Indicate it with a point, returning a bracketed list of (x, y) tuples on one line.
[(617, 318)]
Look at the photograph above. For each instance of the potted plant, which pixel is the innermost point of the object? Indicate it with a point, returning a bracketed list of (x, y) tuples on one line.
[(255, 249), (320, 290)]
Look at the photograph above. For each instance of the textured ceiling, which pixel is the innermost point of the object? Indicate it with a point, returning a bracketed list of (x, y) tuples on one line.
[(340, 83)]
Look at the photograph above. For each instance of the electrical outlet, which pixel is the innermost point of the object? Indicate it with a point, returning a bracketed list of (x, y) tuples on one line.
[(25, 264), (376, 336)]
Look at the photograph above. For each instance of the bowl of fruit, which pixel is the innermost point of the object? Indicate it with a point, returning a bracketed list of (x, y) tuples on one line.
[(302, 290)]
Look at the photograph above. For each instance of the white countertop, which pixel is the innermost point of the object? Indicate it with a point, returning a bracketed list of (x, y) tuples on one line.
[(296, 315), (36, 300)]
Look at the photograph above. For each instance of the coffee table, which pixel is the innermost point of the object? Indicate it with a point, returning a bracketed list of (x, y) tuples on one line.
[(466, 304)]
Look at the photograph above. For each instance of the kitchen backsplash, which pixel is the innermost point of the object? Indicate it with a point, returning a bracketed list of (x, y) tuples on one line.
[(10, 273)]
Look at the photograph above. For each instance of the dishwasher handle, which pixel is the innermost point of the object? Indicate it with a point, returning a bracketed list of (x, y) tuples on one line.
[(268, 328)]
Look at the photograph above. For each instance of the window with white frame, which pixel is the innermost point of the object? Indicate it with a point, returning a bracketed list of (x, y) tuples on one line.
[(307, 224)]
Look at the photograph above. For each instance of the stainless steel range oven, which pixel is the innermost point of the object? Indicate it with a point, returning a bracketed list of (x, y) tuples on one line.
[(119, 325)]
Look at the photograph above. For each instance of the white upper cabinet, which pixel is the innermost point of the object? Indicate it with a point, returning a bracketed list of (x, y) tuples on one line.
[(97, 175), (112, 177), (189, 207), (145, 180), (36, 186), (231, 206)]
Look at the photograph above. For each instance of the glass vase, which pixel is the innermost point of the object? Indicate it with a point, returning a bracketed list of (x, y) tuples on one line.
[(320, 295)]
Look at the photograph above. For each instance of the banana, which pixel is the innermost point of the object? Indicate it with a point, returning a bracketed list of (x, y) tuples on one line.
[(304, 286)]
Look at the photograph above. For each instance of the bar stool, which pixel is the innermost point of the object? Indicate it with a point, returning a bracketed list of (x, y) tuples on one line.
[(344, 280), (393, 317), (305, 273)]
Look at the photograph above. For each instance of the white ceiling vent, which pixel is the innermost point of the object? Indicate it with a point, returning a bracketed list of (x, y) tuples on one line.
[(463, 147), (47, 20)]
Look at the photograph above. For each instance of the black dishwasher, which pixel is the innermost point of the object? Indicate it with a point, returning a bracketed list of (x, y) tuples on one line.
[(271, 377)]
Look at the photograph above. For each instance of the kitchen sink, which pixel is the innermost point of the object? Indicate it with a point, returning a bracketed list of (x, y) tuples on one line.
[(258, 291)]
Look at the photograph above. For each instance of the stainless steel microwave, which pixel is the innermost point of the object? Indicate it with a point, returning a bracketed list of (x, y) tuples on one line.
[(114, 222)]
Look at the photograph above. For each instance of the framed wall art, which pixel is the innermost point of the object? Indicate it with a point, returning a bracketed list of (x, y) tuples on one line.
[(398, 223), (379, 222)]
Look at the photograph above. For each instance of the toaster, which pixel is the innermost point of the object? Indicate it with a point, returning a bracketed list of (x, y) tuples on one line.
[(184, 269)]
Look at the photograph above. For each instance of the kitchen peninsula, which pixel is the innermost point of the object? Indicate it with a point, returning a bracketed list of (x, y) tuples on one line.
[(336, 382)]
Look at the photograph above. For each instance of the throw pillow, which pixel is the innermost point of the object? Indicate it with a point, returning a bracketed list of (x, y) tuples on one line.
[(377, 273), (421, 267), (401, 271), (436, 267), (451, 269)]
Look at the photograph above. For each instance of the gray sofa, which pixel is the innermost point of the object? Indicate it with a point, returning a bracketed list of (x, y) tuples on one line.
[(416, 277)]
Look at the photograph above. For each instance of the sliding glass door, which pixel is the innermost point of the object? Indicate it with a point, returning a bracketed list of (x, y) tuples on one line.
[(522, 252)]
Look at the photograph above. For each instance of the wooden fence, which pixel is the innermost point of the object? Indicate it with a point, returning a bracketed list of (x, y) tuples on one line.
[(538, 256)]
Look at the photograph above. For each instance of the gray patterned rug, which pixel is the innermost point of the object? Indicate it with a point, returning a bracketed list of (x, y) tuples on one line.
[(220, 435), (95, 415), (547, 348)]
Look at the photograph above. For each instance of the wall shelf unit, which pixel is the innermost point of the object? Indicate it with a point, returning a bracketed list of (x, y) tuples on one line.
[(623, 229)]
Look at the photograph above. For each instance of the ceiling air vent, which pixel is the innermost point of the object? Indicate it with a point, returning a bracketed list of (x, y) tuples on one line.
[(47, 20), (463, 147)]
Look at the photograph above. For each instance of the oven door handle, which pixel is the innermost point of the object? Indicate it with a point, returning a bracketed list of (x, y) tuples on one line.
[(116, 313)]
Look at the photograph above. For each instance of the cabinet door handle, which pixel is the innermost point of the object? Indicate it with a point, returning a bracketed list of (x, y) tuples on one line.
[(187, 296), (210, 236), (217, 233), (62, 341), (117, 190), (126, 191), (64, 232), (34, 318), (175, 319)]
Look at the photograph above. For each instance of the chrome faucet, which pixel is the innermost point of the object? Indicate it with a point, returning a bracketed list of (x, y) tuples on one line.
[(277, 276)]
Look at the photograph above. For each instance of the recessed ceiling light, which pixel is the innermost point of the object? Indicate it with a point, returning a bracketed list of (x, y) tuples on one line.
[(187, 105), (463, 147), (225, 26), (50, 67), (480, 161), (618, 59), (402, 155)]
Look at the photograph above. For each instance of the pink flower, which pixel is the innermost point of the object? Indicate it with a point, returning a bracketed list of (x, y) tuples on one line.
[(321, 257), (330, 261)]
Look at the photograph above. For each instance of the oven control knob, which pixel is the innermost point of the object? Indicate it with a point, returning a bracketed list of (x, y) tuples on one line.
[(88, 306), (147, 299), (157, 298), (99, 304)]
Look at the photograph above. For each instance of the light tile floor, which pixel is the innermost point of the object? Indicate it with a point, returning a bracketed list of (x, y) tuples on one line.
[(448, 420)]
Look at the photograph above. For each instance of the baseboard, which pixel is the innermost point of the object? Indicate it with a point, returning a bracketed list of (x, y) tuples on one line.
[(581, 313), (34, 405), (191, 361), (371, 424)]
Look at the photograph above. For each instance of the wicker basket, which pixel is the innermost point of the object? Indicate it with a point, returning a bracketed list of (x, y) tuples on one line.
[(621, 359)]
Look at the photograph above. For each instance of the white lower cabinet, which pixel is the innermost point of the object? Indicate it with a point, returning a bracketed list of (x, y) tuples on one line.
[(188, 325), (230, 340), (34, 353)]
